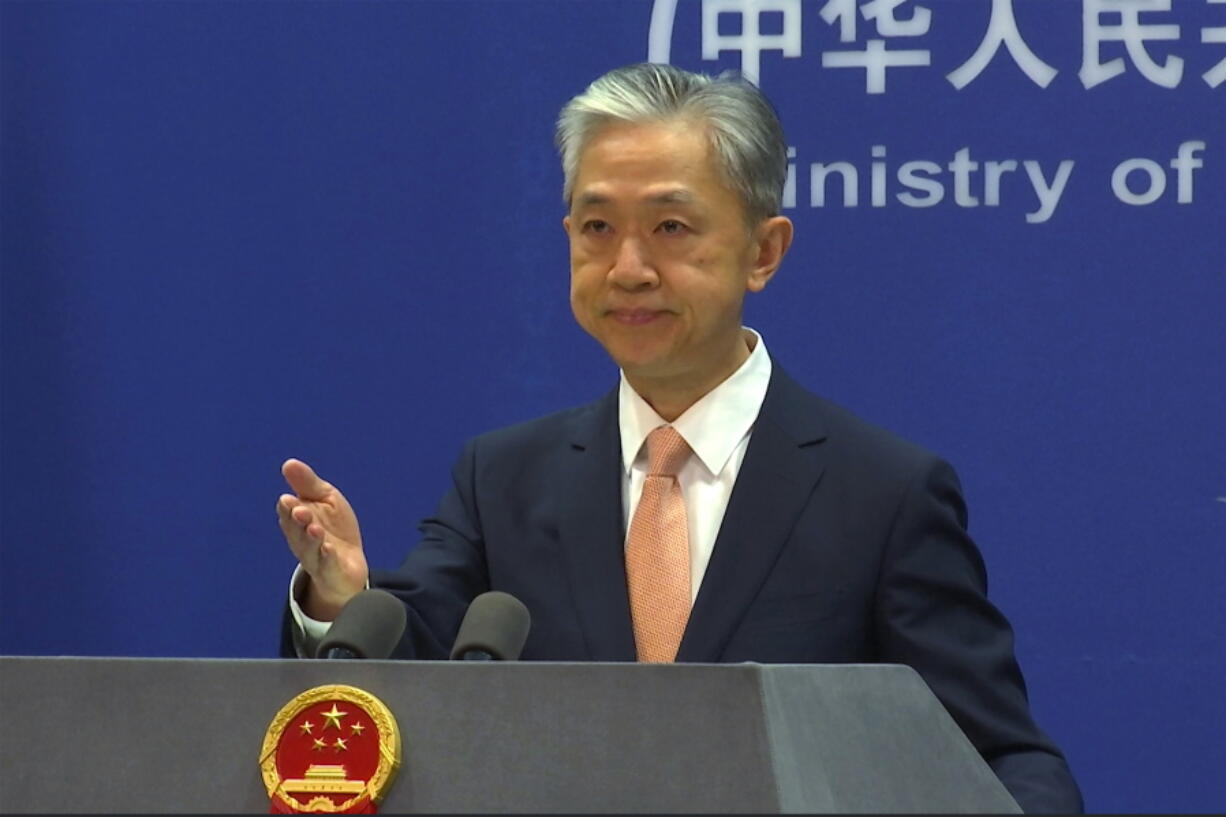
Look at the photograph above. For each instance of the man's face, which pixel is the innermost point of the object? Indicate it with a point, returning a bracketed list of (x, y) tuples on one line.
[(660, 254)]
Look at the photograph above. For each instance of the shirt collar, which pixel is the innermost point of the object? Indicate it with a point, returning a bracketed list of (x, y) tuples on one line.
[(712, 427)]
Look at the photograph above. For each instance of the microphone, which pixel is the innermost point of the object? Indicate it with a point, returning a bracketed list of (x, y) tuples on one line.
[(368, 626), (494, 629)]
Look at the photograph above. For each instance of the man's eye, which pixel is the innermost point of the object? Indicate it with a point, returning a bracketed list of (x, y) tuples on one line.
[(596, 226), (671, 227)]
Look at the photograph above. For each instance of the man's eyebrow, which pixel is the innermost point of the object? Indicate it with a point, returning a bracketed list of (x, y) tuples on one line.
[(678, 196), (667, 196)]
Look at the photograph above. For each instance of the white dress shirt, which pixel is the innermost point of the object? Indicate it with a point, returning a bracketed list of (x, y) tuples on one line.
[(716, 428)]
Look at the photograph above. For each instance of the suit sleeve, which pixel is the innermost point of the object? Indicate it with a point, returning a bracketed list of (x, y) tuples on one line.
[(932, 613), (445, 571)]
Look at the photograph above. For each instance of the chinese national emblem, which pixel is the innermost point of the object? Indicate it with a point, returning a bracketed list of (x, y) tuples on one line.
[(333, 749)]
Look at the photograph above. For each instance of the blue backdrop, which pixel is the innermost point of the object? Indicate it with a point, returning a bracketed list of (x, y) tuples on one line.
[(238, 232)]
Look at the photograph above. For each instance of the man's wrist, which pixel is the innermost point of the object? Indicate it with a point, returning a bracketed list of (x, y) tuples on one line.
[(315, 604), (317, 607)]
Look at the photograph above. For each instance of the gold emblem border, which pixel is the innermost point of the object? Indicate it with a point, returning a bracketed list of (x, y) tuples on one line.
[(385, 724)]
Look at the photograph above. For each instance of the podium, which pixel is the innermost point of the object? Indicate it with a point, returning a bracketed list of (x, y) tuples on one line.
[(175, 736)]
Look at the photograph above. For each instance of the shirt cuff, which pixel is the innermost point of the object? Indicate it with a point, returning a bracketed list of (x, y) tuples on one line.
[(307, 632)]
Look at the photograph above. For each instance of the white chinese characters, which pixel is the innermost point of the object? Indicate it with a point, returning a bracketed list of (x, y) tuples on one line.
[(750, 42), (1002, 30), (1118, 37)]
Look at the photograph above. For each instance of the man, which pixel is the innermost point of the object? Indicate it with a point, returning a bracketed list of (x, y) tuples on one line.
[(709, 509)]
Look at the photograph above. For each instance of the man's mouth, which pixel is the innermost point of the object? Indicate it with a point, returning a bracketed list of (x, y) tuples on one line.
[(635, 317)]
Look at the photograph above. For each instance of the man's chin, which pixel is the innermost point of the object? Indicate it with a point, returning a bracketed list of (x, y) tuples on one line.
[(639, 355), (648, 368)]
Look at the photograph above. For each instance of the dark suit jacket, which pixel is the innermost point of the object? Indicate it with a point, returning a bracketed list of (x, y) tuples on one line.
[(841, 543)]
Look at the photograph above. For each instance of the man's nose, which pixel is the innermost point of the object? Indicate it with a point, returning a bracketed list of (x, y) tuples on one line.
[(632, 267)]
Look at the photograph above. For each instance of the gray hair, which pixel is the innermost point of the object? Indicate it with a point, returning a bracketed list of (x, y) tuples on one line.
[(743, 128)]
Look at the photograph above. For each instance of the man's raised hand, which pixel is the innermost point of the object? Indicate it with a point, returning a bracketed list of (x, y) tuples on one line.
[(322, 531)]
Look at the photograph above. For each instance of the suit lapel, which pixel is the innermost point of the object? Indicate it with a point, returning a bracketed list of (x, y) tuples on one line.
[(781, 468), (591, 531)]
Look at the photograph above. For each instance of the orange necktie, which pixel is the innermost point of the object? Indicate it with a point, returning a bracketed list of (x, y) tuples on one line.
[(658, 552)]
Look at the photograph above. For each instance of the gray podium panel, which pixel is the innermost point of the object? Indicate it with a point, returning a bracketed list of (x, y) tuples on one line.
[(168, 735)]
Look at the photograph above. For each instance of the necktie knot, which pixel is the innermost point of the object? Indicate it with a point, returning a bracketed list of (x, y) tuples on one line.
[(667, 451)]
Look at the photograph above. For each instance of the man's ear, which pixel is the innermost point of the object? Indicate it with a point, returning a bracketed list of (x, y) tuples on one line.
[(566, 224), (771, 239)]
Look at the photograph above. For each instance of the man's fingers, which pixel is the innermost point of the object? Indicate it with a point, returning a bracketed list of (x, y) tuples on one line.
[(296, 518), (299, 520), (286, 504), (295, 533), (304, 480), (305, 541)]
